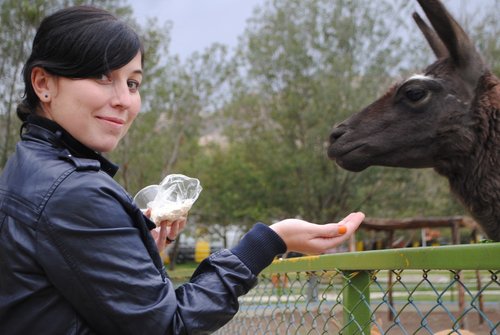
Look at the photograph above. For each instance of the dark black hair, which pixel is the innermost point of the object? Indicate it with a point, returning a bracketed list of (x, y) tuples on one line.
[(78, 42)]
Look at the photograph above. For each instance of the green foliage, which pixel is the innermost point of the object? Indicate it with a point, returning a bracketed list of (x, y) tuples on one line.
[(254, 128), (306, 63), (19, 20), (176, 95), (234, 187), (485, 33)]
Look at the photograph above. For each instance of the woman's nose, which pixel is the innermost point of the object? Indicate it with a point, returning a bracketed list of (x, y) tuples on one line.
[(121, 97)]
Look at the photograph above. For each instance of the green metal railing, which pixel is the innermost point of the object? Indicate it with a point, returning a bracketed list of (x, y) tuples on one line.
[(396, 291)]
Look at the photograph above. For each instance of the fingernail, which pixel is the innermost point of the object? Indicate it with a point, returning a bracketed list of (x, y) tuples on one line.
[(342, 230)]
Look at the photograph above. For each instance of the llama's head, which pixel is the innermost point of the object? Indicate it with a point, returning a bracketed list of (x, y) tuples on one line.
[(425, 120)]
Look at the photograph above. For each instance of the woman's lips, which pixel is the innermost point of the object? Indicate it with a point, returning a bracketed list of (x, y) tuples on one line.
[(112, 120)]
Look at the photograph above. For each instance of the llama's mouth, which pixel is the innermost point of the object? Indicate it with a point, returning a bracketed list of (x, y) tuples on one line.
[(339, 151), (348, 157)]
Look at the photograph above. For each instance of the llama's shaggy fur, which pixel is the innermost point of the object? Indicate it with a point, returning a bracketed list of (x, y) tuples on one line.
[(475, 177), (448, 118)]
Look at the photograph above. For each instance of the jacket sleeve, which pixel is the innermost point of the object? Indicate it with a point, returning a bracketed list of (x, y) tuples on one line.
[(97, 257)]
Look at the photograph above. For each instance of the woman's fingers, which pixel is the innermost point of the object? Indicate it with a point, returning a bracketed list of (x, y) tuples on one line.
[(174, 228), (309, 238), (163, 233), (344, 228), (173, 231), (182, 223), (350, 223), (167, 232)]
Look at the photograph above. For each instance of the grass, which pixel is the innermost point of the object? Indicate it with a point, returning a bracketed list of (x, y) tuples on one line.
[(440, 280), (182, 271)]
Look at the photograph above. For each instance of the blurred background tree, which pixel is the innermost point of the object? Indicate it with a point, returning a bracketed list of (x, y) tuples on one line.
[(254, 126)]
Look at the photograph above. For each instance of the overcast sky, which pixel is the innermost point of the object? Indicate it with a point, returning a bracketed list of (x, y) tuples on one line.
[(199, 23)]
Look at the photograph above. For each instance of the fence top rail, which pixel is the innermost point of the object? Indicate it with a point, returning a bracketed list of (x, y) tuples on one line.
[(482, 256)]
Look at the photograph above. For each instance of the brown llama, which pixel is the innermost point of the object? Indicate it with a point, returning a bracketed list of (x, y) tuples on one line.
[(446, 118)]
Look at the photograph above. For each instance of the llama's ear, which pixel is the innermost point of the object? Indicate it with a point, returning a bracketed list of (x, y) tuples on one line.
[(432, 38), (458, 44)]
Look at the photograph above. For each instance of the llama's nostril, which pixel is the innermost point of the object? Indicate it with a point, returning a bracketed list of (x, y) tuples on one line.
[(336, 133)]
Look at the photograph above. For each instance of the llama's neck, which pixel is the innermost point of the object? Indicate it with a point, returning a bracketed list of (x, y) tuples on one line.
[(480, 194), (476, 179)]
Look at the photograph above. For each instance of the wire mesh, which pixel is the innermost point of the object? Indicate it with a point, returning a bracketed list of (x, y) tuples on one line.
[(400, 301)]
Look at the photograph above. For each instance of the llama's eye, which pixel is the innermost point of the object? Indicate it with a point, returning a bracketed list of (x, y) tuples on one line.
[(415, 94)]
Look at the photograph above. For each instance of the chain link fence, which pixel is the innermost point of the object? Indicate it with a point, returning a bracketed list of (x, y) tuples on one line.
[(433, 290)]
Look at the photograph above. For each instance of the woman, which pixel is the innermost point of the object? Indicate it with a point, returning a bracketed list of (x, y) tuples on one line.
[(76, 255)]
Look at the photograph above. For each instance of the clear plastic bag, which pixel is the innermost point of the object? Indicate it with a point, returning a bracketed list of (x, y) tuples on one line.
[(175, 196)]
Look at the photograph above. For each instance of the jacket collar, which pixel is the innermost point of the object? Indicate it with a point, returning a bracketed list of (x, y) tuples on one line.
[(47, 130)]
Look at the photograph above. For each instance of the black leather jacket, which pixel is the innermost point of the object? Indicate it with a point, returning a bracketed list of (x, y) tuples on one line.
[(76, 255)]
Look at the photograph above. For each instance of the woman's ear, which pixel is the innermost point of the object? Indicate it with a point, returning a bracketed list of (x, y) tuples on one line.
[(43, 84)]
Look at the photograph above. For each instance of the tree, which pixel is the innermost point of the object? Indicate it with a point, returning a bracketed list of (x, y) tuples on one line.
[(165, 136), (19, 20), (485, 32), (254, 128), (305, 63)]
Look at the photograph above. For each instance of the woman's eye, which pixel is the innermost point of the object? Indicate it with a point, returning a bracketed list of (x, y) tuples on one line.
[(415, 94), (133, 85), (104, 78)]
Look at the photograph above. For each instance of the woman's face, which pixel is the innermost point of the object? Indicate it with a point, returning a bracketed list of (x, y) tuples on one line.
[(97, 111)]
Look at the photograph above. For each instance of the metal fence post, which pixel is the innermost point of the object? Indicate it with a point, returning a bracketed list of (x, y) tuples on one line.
[(312, 287), (356, 298)]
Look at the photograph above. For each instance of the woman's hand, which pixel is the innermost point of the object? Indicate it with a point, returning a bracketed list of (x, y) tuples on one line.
[(309, 238), (167, 231)]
